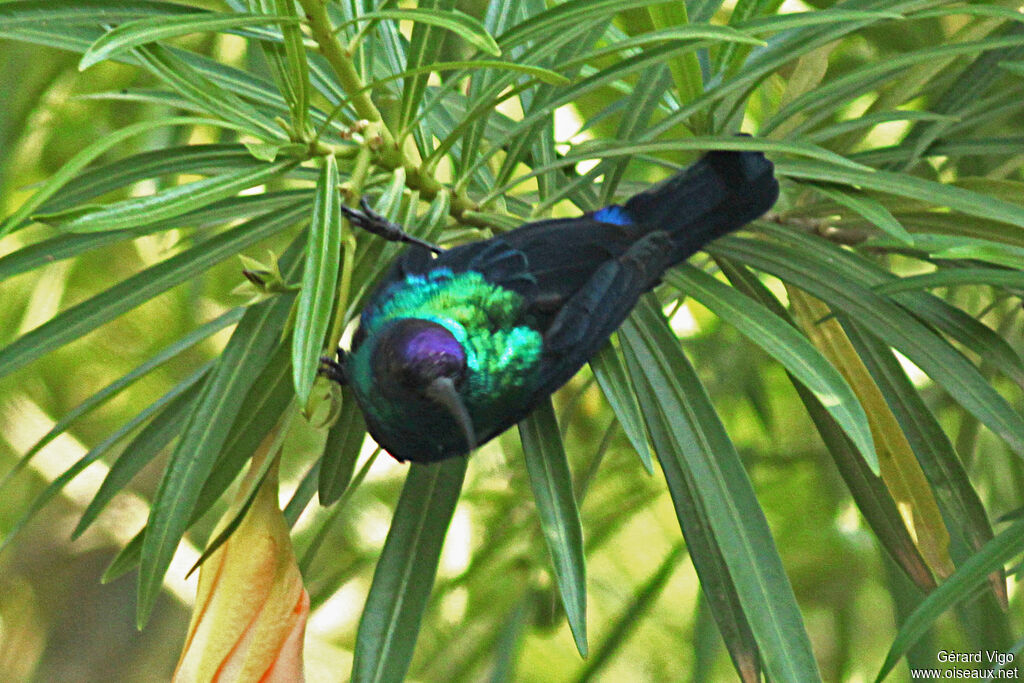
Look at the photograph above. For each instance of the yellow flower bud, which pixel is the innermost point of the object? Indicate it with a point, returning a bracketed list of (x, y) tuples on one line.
[(250, 615)]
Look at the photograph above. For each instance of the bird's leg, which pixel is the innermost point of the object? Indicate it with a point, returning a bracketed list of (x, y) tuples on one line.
[(334, 369), (373, 222)]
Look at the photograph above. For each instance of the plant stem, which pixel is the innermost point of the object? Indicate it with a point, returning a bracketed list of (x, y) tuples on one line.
[(380, 138), (353, 189)]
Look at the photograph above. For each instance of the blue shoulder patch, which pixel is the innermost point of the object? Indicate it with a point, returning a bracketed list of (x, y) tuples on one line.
[(614, 214)]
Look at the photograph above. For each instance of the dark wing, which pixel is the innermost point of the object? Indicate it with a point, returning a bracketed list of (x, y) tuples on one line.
[(546, 262), (589, 316), (586, 320), (564, 253)]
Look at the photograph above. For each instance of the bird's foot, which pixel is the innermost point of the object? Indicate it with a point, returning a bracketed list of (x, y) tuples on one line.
[(371, 221), (333, 370)]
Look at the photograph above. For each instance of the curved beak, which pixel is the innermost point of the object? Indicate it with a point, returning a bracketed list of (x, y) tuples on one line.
[(442, 390)]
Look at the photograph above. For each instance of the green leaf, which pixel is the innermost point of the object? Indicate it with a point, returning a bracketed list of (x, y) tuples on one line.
[(55, 182), (286, 56), (405, 571), (151, 29), (870, 209), (254, 480), (961, 506), (968, 248), (611, 375), (31, 13), (181, 74), (643, 102), (684, 67), (146, 445), (565, 16), (709, 33), (784, 343), (615, 149), (698, 449), (946, 318), (309, 483), (868, 490), (247, 353), (198, 159), (829, 17), (341, 450), (66, 246), (843, 89), (955, 277), (95, 453), (116, 387), (926, 349), (423, 49), (296, 75), (871, 120), (125, 561), (468, 28), (175, 201), (319, 282), (541, 74), (899, 468), (871, 495), (303, 493), (80, 319), (957, 588), (551, 482), (265, 403), (912, 187)]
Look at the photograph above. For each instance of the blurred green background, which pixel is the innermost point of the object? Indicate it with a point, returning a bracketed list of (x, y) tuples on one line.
[(495, 612)]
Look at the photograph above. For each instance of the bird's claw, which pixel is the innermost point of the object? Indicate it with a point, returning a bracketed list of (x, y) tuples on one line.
[(332, 370), (373, 222)]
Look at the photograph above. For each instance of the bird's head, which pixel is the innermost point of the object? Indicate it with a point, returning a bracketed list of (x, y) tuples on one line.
[(420, 363)]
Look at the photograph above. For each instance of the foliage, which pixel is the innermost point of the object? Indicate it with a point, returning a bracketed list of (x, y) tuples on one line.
[(881, 299)]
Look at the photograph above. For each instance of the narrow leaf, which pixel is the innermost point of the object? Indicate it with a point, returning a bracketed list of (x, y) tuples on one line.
[(114, 388), (146, 445), (786, 345), (551, 482), (961, 506), (904, 185), (247, 352), (87, 155), (890, 323), (319, 282), (341, 450), (957, 588), (95, 453), (137, 211), (954, 277), (700, 444), (626, 623), (126, 295), (611, 376), (405, 571), (468, 28), (899, 467), (870, 209), (142, 31)]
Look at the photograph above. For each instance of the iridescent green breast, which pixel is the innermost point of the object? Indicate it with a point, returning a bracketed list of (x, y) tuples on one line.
[(502, 352)]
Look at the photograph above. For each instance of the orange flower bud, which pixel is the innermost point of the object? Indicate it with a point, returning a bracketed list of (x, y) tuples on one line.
[(250, 615)]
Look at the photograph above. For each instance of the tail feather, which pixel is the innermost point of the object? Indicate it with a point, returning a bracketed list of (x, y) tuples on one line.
[(718, 194)]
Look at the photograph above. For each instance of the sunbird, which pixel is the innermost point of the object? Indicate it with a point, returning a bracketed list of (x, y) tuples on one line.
[(457, 345)]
